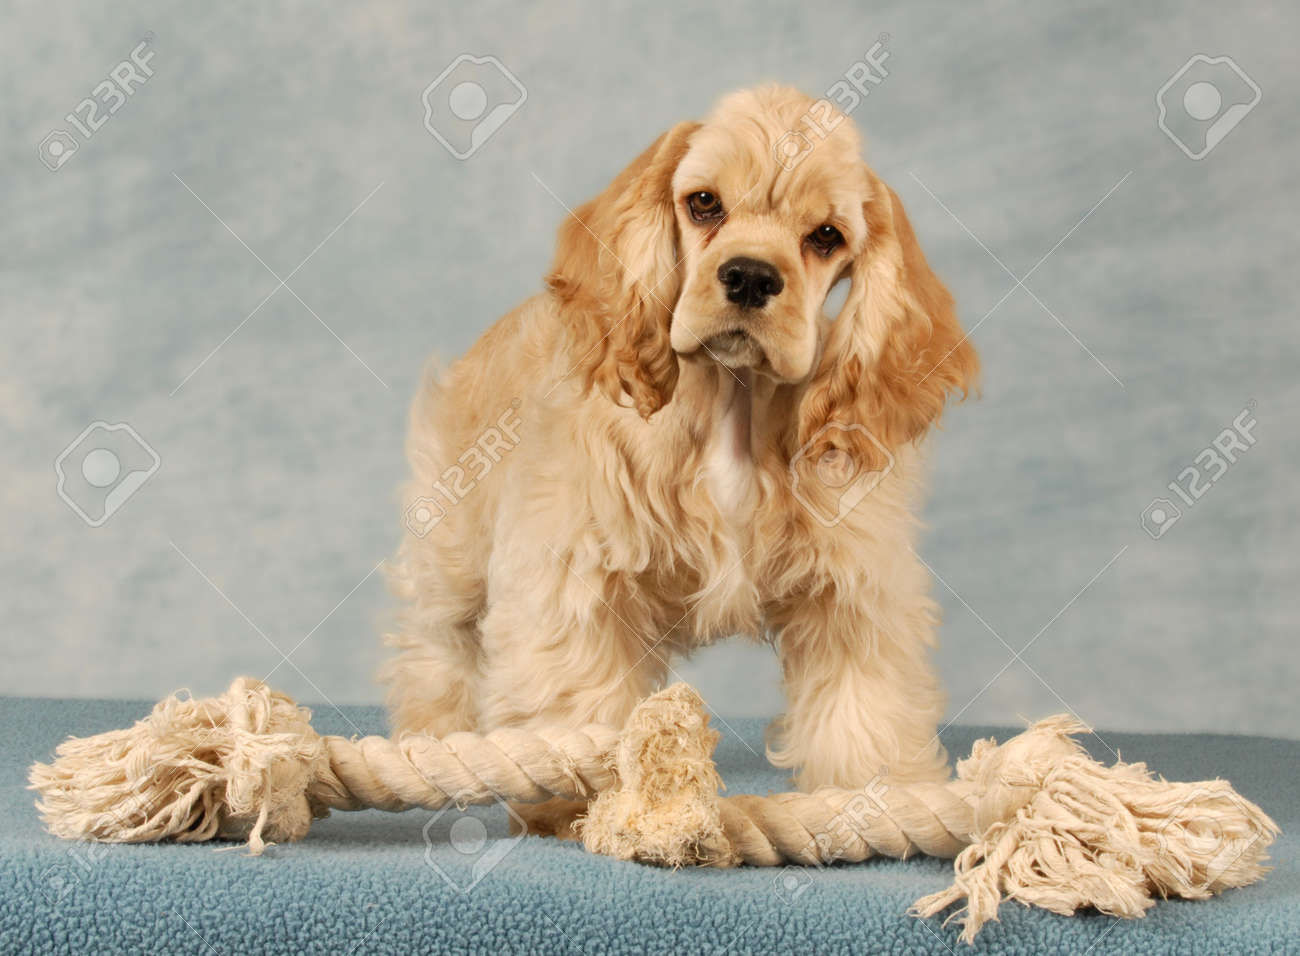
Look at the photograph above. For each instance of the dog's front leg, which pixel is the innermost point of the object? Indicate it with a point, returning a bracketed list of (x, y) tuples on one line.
[(562, 649), (862, 699)]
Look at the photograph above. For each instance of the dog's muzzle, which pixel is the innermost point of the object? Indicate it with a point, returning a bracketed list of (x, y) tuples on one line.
[(735, 349)]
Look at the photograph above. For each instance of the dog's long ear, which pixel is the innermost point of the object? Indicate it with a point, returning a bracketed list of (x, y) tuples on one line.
[(894, 354), (617, 280)]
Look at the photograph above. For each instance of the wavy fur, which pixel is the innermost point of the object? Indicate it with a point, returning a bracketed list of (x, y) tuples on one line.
[(661, 496)]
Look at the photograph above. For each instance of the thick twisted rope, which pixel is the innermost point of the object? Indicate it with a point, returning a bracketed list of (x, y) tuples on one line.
[(849, 826), (248, 765), (204, 754), (463, 768), (1034, 819)]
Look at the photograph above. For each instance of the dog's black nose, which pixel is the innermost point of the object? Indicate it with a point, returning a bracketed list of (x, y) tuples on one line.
[(750, 282)]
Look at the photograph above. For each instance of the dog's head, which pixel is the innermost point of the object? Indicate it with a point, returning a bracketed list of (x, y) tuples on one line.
[(721, 242)]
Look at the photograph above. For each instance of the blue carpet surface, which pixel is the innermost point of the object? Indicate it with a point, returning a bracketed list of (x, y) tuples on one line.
[(426, 882)]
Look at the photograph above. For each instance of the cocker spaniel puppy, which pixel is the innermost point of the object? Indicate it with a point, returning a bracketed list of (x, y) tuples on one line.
[(672, 444)]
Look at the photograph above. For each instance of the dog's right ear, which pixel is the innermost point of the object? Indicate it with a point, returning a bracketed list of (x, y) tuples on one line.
[(616, 277)]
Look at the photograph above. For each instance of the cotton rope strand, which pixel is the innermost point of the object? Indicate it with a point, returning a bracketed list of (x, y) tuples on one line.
[(1035, 819)]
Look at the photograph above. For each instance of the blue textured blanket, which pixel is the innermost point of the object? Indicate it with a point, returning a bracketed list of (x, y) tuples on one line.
[(430, 882)]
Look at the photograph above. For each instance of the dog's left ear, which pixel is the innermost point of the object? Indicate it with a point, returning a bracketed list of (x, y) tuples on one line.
[(894, 354), (617, 280)]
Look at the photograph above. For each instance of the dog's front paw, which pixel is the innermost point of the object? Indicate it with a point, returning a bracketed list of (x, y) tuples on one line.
[(555, 817)]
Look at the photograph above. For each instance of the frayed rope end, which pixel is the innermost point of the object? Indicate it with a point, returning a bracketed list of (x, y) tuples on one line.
[(1050, 826), (1058, 830), (235, 767)]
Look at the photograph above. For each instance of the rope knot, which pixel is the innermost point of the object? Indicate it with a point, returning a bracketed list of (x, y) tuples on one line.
[(665, 807)]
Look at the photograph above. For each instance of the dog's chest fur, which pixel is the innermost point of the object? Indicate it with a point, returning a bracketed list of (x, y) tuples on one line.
[(729, 458)]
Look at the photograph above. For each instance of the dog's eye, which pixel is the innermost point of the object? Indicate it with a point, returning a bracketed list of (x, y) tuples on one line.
[(704, 206), (825, 239)]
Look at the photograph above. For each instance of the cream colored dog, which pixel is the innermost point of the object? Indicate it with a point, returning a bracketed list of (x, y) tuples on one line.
[(672, 444)]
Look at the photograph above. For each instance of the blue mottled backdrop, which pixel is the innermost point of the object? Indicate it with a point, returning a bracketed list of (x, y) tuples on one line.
[(247, 242)]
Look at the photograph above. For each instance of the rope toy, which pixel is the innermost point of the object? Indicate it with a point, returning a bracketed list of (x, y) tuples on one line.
[(1034, 819)]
